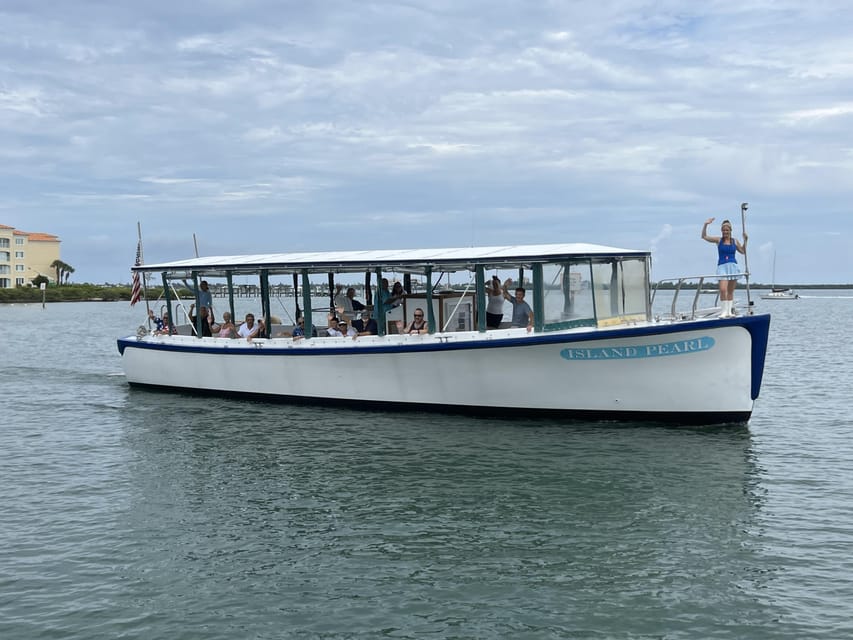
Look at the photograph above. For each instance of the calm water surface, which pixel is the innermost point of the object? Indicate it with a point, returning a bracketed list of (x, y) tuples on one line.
[(134, 514)]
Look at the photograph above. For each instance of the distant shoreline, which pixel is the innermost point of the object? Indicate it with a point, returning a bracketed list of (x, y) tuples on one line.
[(97, 293)]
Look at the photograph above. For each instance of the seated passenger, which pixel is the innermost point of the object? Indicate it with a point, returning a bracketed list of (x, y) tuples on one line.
[(250, 329), (366, 326), (346, 329), (155, 321), (333, 331), (418, 325), (226, 329), (167, 326), (299, 329)]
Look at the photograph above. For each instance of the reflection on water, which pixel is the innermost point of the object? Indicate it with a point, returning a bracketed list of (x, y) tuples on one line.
[(131, 513), (393, 516)]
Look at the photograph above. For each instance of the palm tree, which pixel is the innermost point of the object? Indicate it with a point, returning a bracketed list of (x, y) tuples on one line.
[(62, 269), (57, 264)]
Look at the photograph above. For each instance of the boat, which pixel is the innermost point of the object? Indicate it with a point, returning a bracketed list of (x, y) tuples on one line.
[(779, 293), (593, 350)]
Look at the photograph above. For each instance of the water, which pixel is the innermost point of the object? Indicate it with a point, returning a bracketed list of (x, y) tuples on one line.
[(134, 514)]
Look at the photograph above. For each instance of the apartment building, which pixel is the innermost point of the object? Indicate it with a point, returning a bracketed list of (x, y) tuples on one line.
[(25, 255)]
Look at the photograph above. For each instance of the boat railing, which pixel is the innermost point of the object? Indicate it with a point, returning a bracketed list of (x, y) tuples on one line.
[(692, 282)]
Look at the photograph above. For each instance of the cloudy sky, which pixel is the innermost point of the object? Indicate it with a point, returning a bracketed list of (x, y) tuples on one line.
[(267, 126)]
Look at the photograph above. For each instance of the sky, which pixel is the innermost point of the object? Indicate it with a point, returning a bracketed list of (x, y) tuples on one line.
[(269, 126)]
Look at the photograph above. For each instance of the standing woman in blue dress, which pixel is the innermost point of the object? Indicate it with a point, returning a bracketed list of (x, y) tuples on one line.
[(727, 267)]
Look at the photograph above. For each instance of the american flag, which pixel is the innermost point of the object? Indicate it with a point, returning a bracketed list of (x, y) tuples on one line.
[(136, 292)]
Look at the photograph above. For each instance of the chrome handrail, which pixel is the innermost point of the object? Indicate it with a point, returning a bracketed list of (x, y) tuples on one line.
[(679, 283)]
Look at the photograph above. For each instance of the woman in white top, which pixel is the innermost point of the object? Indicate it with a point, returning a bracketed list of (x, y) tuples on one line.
[(495, 306), (343, 304)]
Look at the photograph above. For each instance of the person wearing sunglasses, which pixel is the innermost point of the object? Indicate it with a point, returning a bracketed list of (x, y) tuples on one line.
[(418, 323), (299, 329)]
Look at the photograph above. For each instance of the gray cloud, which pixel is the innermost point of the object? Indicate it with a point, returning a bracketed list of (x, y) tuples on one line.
[(264, 126)]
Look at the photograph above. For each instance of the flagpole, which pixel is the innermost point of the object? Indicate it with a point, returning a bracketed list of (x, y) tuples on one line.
[(144, 275), (140, 287)]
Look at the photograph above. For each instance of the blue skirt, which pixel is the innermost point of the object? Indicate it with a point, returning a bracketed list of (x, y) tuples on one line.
[(728, 271)]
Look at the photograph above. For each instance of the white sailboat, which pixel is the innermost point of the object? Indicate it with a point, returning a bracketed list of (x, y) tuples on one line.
[(779, 293)]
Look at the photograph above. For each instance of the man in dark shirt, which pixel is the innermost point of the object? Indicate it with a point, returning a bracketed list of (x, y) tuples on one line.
[(205, 321), (366, 326)]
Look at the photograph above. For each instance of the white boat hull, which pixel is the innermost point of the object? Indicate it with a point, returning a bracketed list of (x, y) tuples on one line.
[(782, 295), (701, 371)]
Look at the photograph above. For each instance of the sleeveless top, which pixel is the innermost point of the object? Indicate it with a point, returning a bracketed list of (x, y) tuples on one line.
[(412, 326), (726, 253), (495, 304)]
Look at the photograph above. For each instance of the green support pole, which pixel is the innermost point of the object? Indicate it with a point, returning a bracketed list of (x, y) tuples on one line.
[(538, 299), (265, 302), (378, 307), (306, 305), (592, 284), (430, 312), (298, 313), (332, 309), (368, 292), (614, 289), (198, 319), (480, 277), (168, 302)]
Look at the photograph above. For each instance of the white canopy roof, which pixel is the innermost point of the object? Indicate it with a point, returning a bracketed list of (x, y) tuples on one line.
[(398, 259)]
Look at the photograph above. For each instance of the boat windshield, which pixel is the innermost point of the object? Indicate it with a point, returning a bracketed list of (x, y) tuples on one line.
[(599, 292), (567, 293), (620, 290)]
